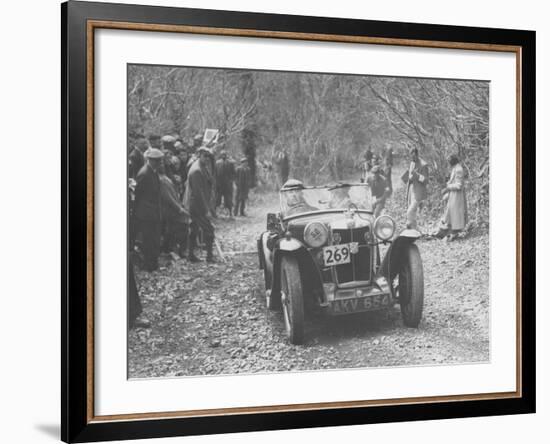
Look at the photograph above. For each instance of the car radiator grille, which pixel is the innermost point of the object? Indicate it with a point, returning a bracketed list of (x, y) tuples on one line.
[(360, 267)]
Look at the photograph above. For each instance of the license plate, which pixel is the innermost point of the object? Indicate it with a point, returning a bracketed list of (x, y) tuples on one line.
[(374, 302), (337, 255)]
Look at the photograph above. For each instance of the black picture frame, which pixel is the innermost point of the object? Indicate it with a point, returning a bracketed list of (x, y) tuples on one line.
[(77, 424)]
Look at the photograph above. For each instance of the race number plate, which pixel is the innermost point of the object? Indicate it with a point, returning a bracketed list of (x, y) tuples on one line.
[(336, 255)]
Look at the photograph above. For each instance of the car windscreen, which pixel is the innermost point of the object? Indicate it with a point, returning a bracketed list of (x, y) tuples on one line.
[(341, 197)]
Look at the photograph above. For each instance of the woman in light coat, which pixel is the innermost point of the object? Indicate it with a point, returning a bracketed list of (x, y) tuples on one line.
[(455, 217)]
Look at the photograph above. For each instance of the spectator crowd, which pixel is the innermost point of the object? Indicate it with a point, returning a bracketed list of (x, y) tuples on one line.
[(175, 190)]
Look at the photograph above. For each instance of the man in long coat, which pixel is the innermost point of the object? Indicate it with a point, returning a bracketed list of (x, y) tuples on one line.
[(380, 190), (136, 159), (285, 167), (148, 208), (388, 156), (368, 159), (416, 180), (242, 183), (198, 202), (225, 175), (183, 157), (388, 165), (175, 217), (171, 161), (282, 164), (455, 217)]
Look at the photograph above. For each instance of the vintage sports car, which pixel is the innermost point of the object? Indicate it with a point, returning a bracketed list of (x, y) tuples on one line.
[(321, 252)]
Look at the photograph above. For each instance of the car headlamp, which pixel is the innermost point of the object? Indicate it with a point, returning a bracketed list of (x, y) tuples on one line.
[(384, 227), (315, 234)]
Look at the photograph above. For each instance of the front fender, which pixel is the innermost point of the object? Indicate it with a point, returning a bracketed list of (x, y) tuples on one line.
[(261, 251), (265, 256), (290, 244), (410, 233), (308, 269), (392, 261)]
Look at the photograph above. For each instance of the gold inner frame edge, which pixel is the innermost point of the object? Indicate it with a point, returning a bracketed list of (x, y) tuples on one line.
[(105, 24)]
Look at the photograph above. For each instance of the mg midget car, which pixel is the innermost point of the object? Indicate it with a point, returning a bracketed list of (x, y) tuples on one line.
[(322, 252)]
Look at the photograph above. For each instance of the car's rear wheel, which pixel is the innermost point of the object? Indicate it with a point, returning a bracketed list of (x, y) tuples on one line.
[(292, 299), (411, 287)]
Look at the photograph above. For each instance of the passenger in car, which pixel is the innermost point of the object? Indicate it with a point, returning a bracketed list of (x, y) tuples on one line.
[(339, 197)]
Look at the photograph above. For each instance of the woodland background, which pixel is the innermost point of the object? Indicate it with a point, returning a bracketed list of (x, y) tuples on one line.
[(324, 122)]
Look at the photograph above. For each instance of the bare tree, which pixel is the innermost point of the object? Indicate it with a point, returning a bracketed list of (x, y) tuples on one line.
[(323, 121)]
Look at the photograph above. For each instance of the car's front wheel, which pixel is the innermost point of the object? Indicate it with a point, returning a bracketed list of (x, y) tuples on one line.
[(272, 303), (292, 299), (411, 287)]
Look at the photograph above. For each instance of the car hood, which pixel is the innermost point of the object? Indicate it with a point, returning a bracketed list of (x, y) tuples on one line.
[(339, 221)]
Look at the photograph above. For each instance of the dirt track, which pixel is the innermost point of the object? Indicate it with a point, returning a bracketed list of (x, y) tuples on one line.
[(211, 319)]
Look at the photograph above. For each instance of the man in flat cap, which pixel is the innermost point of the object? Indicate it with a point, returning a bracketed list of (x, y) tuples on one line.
[(242, 182), (379, 188), (183, 157), (197, 142), (193, 154), (225, 175), (198, 202), (416, 180), (168, 143), (154, 141), (148, 207)]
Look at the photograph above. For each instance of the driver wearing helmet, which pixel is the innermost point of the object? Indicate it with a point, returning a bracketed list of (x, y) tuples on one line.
[(294, 196)]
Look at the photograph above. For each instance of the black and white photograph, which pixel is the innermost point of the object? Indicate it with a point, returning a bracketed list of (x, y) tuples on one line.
[(266, 222), (285, 221)]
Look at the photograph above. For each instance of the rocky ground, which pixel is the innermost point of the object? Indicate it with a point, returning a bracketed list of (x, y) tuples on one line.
[(211, 318)]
